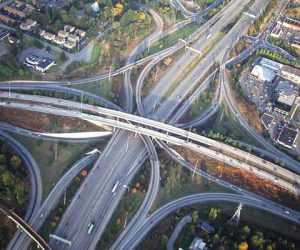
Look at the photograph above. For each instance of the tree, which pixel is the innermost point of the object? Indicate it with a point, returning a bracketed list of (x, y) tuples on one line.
[(88, 10), (243, 245), (246, 230), (8, 179), (258, 240), (213, 214), (164, 240), (195, 216), (15, 161)]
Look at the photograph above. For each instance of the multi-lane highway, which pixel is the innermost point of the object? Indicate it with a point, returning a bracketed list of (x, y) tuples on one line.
[(191, 140), (102, 190), (21, 240)]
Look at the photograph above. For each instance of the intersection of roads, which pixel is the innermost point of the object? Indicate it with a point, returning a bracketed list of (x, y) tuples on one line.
[(135, 137)]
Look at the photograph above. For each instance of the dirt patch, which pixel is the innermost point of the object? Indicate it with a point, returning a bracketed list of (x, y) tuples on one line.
[(39, 122)]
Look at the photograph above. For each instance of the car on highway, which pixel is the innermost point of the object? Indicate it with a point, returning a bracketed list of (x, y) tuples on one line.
[(91, 227)]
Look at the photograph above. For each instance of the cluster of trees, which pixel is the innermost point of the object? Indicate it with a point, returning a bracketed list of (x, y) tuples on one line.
[(9, 66), (227, 236), (276, 57), (257, 26), (13, 178), (53, 19)]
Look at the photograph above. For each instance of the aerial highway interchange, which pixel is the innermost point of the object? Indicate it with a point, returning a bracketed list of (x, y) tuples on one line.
[(153, 124)]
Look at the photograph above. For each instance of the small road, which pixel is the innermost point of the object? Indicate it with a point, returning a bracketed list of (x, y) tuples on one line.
[(184, 221)]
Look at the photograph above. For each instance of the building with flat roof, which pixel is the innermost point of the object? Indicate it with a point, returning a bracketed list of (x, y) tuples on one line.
[(275, 66), (276, 32), (287, 137), (291, 23), (290, 73), (263, 74), (267, 120), (39, 63)]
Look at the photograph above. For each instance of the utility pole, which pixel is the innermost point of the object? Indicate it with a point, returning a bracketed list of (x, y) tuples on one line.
[(236, 216), (148, 45), (65, 197), (154, 106), (81, 101), (55, 151), (156, 72), (195, 169), (248, 155), (109, 74), (125, 222), (127, 144), (9, 90)]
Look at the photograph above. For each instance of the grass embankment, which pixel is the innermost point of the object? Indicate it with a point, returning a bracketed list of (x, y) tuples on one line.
[(177, 181), (127, 207), (53, 158)]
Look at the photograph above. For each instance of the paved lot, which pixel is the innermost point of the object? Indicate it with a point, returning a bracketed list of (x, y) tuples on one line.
[(39, 52)]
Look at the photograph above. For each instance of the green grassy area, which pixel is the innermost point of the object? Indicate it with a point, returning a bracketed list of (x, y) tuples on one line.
[(172, 39), (177, 181), (127, 207), (224, 122), (201, 104), (93, 62), (51, 167), (100, 88), (95, 53)]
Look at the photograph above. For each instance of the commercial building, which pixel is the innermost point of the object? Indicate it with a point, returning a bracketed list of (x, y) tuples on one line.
[(291, 74), (267, 120), (286, 94), (287, 137), (39, 63), (276, 32), (275, 66), (263, 74)]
